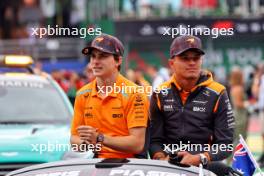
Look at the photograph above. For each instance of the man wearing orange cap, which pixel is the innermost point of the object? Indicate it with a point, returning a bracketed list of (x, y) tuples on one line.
[(116, 120)]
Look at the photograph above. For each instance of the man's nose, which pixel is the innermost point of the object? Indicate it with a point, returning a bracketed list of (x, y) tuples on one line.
[(192, 61), (95, 59)]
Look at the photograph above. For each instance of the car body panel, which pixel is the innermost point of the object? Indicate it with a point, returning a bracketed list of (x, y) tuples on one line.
[(100, 167), (33, 143)]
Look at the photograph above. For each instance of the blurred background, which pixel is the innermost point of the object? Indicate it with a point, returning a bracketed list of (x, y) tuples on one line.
[(235, 60)]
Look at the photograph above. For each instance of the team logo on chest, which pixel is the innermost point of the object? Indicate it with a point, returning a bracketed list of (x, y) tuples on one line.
[(164, 92), (206, 93), (168, 108), (169, 100), (199, 109), (117, 115)]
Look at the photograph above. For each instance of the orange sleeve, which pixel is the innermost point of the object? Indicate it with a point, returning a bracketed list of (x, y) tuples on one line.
[(137, 112), (78, 118)]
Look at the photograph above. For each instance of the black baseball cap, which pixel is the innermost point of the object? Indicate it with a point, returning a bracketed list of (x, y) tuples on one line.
[(185, 43), (105, 43)]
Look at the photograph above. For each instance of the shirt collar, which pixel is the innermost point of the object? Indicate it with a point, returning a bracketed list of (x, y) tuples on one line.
[(119, 81), (174, 81)]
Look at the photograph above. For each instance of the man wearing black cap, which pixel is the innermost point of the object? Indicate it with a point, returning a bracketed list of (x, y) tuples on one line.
[(191, 113), (104, 114)]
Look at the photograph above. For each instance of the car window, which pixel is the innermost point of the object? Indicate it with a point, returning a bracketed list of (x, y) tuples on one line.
[(24, 101)]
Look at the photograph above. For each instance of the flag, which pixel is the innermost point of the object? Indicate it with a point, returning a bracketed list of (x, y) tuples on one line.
[(243, 160)]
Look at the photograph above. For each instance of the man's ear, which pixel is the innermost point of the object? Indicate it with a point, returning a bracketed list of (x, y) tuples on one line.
[(119, 61), (171, 61)]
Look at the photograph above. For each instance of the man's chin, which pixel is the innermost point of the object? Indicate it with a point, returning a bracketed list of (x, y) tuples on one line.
[(98, 74), (191, 76), (102, 75)]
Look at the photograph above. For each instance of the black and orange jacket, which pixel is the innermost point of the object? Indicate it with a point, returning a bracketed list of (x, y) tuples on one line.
[(205, 117)]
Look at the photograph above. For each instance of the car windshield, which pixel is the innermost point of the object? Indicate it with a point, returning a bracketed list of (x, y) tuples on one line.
[(31, 102)]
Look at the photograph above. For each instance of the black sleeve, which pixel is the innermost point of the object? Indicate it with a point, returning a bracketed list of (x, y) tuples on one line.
[(156, 127), (224, 123)]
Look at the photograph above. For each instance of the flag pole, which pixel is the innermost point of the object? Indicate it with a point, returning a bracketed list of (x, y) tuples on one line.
[(250, 154), (201, 173)]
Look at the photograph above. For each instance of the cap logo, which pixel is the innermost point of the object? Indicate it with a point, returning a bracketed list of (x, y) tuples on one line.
[(99, 39), (190, 40), (86, 51)]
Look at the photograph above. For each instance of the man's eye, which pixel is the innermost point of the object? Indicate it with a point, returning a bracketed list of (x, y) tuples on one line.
[(191, 57), (104, 55)]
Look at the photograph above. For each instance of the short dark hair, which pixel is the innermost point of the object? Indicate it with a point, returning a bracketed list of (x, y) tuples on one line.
[(117, 57)]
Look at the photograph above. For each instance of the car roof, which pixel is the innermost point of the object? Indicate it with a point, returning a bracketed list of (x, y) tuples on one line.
[(76, 162), (25, 77)]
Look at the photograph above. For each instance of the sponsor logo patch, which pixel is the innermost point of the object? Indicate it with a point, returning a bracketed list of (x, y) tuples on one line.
[(164, 92), (168, 108), (199, 102), (117, 115), (169, 100), (199, 109)]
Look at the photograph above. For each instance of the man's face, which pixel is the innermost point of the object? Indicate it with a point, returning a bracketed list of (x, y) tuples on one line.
[(187, 65), (103, 64), (89, 73)]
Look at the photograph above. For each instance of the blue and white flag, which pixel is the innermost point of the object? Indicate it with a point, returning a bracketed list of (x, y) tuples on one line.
[(243, 160)]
